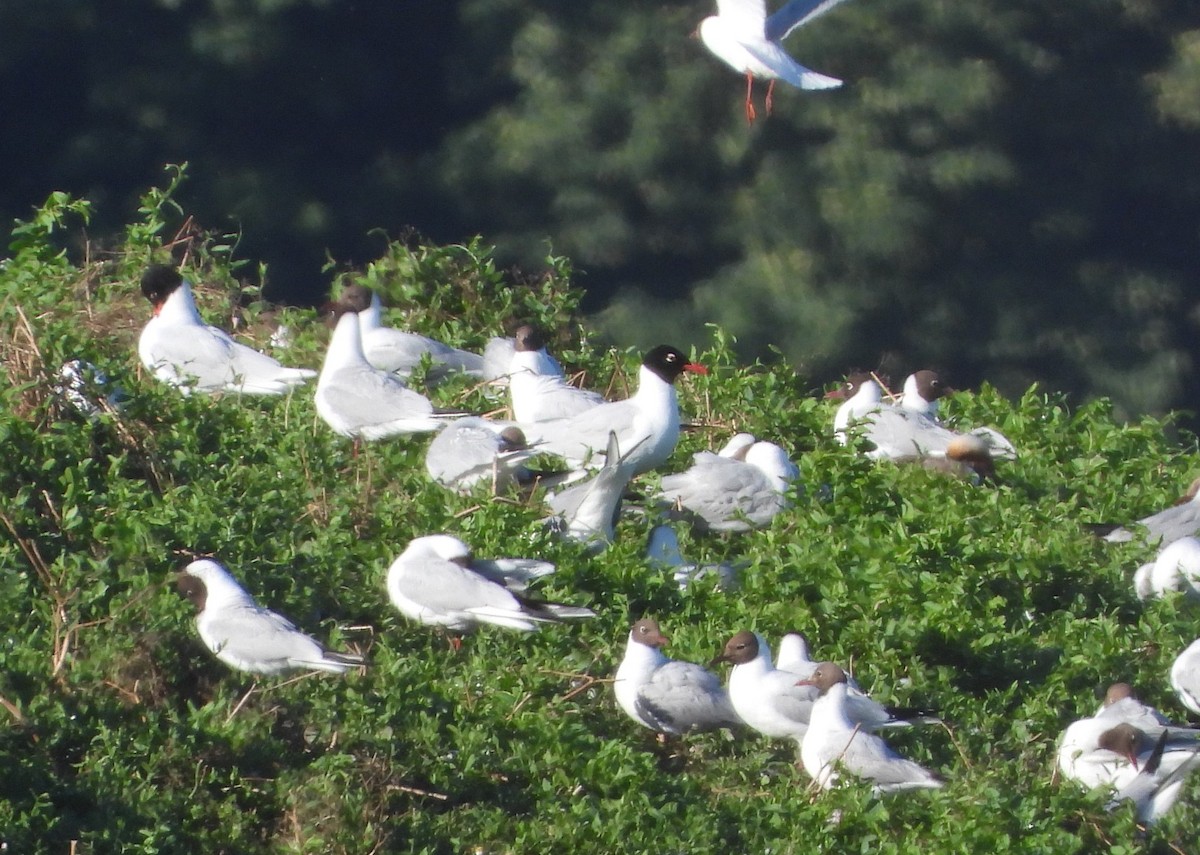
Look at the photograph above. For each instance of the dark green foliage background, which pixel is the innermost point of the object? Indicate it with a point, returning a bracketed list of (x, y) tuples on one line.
[(1004, 188), (120, 733)]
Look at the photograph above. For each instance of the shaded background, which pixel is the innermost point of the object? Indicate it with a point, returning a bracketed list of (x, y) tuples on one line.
[(1005, 190)]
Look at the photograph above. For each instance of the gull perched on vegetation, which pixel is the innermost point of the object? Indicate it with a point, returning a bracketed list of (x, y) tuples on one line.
[(587, 512), (363, 402), (1185, 676), (646, 425), (1106, 752), (246, 636), (437, 582), (740, 488), (668, 695), (836, 741), (471, 450), (1166, 526), (537, 389), (400, 351), (662, 551), (180, 349), (744, 38)]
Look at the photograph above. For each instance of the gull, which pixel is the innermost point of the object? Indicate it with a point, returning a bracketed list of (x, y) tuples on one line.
[(667, 695), (836, 741), (472, 450), (1176, 568), (437, 582), (771, 701), (537, 389), (180, 349), (646, 425), (399, 351), (363, 402), (588, 512), (860, 394), (909, 434), (744, 38), (1099, 754), (766, 699), (1185, 676), (663, 552), (793, 655), (742, 487), (246, 636), (922, 391), (1165, 527)]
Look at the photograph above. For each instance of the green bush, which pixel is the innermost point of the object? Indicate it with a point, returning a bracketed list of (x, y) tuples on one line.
[(119, 732)]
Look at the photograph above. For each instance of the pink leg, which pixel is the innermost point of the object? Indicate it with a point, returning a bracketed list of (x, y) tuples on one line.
[(749, 94), (770, 92)]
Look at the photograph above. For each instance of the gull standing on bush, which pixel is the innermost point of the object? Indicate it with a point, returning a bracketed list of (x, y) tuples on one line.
[(437, 582), (740, 488), (646, 425), (399, 351), (744, 38), (668, 695), (908, 433), (246, 636), (836, 741), (180, 349), (360, 401), (771, 701)]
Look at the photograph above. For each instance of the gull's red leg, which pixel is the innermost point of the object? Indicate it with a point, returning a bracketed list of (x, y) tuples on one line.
[(770, 92), (749, 94)]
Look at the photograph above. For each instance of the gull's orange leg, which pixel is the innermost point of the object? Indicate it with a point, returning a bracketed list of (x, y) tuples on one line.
[(770, 92)]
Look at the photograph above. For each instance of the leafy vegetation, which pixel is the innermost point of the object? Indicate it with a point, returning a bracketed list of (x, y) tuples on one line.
[(119, 732)]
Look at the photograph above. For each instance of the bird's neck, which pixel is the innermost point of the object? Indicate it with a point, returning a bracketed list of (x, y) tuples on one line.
[(345, 346)]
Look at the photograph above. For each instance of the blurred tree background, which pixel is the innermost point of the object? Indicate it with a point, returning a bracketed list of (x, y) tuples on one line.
[(1006, 190)]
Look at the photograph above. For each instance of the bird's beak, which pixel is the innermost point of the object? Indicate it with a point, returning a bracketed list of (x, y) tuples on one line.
[(835, 395), (805, 682), (718, 659), (695, 368)]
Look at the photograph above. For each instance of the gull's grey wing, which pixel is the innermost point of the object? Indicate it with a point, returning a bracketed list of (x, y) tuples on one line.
[(724, 494), (869, 757), (253, 633), (682, 697), (445, 587), (463, 451), (794, 14), (364, 396), (513, 573)]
